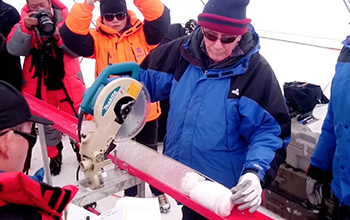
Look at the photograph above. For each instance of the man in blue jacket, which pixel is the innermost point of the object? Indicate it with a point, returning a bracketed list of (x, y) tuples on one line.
[(330, 161), (227, 117)]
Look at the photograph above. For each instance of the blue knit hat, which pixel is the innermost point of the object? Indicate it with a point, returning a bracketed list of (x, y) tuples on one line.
[(225, 16)]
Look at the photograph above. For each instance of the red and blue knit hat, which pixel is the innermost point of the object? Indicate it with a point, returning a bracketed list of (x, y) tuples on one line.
[(225, 16)]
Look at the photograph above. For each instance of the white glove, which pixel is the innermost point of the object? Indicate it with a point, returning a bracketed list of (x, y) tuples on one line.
[(247, 192), (314, 191)]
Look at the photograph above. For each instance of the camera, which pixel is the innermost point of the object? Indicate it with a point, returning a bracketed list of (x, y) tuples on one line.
[(45, 25)]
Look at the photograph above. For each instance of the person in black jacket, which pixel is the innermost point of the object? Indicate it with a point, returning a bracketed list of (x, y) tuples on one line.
[(176, 30), (10, 66)]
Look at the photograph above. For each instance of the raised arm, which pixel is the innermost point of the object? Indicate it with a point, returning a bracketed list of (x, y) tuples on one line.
[(75, 32), (157, 20)]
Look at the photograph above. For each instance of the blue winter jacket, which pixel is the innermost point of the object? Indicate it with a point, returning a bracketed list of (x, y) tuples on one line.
[(332, 152), (225, 119)]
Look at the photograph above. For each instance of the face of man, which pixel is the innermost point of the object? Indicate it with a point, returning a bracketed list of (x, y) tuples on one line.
[(13, 149), (35, 5), (117, 21), (219, 46)]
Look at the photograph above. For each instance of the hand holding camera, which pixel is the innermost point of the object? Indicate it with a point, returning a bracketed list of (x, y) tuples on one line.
[(56, 35), (29, 21), (42, 20)]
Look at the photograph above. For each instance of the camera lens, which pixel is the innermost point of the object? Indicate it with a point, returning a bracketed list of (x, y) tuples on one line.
[(47, 27)]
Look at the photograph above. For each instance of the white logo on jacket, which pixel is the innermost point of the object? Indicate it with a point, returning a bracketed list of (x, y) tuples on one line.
[(235, 91)]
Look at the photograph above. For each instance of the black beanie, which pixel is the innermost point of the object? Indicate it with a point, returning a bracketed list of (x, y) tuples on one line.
[(112, 6), (225, 16)]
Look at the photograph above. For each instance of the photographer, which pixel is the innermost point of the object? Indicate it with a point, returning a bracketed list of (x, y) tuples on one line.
[(51, 72)]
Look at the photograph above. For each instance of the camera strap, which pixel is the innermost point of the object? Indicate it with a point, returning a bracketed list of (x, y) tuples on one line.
[(40, 60)]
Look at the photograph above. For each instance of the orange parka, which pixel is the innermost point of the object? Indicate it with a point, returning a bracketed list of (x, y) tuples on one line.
[(107, 46)]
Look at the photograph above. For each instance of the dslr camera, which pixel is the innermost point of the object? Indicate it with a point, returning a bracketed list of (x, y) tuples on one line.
[(45, 25)]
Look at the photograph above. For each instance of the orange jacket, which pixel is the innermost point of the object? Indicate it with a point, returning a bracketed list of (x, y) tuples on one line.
[(107, 46)]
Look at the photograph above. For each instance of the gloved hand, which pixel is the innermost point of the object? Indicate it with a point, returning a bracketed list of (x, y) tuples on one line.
[(247, 192), (314, 191), (39, 175)]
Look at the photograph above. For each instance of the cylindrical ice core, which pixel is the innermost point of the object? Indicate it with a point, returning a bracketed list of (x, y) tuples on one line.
[(161, 167)]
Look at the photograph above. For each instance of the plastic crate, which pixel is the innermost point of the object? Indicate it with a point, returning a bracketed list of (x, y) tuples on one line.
[(287, 208), (292, 182), (301, 146)]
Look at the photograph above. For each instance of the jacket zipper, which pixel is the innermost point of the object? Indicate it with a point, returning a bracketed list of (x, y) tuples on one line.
[(133, 53), (108, 56)]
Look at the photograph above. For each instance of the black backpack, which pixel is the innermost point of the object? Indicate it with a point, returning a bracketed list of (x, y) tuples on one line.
[(301, 97)]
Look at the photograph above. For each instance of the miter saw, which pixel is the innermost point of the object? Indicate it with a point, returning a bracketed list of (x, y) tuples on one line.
[(120, 107)]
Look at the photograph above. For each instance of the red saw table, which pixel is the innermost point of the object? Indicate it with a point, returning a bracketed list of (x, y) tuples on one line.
[(68, 124)]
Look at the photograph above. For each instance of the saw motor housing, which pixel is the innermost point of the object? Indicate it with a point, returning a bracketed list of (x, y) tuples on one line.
[(120, 111)]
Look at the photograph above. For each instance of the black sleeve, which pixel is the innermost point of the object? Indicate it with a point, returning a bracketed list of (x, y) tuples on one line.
[(164, 58), (2, 42), (83, 45), (11, 18), (319, 175), (156, 30)]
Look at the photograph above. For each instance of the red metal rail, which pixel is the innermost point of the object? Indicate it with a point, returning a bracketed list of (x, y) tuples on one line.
[(64, 122)]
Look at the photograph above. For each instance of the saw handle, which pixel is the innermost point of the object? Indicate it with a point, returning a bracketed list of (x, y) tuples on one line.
[(90, 95)]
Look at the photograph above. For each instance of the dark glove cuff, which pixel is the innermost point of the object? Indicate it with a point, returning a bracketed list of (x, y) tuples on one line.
[(319, 175)]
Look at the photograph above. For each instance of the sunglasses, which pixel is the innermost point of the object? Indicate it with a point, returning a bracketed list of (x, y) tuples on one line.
[(225, 39), (29, 137), (119, 16)]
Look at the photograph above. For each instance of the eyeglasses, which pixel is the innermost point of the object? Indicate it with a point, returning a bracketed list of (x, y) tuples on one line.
[(29, 137), (119, 16), (225, 39)]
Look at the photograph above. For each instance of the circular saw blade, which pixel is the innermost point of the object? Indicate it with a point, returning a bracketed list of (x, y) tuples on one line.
[(136, 118)]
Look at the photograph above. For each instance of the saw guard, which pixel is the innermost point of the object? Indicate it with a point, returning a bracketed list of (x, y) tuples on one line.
[(120, 109), (137, 118)]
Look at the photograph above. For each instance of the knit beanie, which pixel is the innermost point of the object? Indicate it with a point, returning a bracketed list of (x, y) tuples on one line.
[(225, 16), (112, 6)]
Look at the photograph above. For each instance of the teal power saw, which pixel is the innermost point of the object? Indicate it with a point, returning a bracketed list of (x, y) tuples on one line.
[(120, 107)]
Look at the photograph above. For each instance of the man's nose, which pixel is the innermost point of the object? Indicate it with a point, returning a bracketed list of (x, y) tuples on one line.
[(217, 43)]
